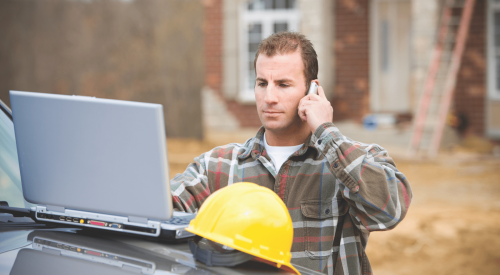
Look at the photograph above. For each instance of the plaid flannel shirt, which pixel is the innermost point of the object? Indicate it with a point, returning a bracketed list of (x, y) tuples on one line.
[(330, 178)]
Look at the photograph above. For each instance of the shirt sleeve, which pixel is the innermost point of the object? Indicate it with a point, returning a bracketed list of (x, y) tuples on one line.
[(190, 189), (378, 194)]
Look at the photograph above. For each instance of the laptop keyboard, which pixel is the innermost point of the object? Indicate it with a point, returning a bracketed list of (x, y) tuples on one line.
[(180, 220)]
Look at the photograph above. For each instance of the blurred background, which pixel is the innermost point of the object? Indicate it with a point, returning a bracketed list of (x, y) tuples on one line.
[(377, 61), (150, 51)]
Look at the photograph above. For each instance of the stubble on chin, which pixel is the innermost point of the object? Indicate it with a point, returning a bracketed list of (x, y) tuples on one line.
[(282, 126)]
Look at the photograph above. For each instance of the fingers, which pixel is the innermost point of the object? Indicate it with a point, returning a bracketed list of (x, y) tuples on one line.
[(307, 103), (302, 113), (319, 97), (312, 101), (302, 100), (303, 107), (321, 93)]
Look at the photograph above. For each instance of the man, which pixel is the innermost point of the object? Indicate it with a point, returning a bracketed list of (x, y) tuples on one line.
[(336, 190)]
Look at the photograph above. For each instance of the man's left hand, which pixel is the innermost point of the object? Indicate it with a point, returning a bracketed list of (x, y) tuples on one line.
[(315, 109)]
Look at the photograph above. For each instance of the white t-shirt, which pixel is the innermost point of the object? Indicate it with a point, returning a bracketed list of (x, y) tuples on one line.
[(279, 154)]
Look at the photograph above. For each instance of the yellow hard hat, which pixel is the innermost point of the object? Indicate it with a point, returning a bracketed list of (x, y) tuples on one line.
[(249, 218)]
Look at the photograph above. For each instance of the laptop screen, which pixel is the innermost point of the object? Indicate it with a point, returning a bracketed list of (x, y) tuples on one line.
[(90, 154)]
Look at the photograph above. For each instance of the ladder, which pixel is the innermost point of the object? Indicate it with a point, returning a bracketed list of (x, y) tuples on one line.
[(440, 83)]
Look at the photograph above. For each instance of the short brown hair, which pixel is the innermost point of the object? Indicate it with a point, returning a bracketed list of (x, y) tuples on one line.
[(289, 42)]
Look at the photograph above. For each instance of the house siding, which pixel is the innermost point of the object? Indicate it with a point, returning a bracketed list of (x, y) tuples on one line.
[(244, 114), (212, 27), (470, 92), (351, 92), (351, 54)]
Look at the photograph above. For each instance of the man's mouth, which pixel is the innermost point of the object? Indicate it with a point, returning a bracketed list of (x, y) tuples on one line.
[(272, 112)]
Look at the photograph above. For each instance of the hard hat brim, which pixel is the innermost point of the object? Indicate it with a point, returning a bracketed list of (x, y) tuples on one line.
[(267, 259)]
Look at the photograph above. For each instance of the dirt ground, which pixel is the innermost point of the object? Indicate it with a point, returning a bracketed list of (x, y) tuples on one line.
[(452, 227)]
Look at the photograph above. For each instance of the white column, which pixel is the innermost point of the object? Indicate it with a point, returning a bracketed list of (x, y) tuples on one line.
[(316, 23), (425, 24)]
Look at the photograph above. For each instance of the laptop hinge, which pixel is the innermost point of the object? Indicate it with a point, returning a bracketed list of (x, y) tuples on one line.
[(137, 219), (54, 208)]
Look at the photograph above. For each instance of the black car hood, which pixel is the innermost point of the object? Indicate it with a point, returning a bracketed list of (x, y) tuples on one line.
[(75, 251)]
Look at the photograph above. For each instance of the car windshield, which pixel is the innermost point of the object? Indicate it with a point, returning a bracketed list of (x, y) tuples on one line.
[(11, 189)]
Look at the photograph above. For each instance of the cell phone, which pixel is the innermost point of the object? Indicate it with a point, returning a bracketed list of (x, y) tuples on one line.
[(313, 89)]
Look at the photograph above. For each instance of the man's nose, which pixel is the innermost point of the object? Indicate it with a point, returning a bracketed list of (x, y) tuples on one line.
[(271, 94)]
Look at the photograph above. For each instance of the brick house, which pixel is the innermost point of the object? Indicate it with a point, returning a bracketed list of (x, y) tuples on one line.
[(373, 57)]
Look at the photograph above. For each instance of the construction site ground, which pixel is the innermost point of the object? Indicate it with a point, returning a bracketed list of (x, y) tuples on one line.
[(453, 225)]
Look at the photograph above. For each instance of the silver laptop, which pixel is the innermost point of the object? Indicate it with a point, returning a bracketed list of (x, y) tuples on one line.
[(94, 162)]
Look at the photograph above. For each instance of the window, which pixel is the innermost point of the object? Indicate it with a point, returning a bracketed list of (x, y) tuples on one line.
[(385, 45), (259, 19)]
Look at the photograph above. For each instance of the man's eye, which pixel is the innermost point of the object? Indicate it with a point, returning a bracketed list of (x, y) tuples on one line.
[(261, 84), (284, 85)]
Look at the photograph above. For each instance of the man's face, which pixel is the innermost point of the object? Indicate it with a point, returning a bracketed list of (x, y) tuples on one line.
[(279, 87)]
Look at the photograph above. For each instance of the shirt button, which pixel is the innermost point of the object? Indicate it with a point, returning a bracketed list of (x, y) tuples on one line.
[(335, 165), (319, 141), (327, 211)]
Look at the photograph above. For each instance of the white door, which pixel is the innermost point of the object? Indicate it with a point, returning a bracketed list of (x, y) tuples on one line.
[(390, 56)]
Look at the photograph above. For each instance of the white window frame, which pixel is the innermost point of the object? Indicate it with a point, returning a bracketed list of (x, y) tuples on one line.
[(267, 18), (493, 90)]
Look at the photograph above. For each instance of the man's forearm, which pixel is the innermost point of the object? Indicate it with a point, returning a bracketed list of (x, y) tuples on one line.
[(190, 189), (378, 194)]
